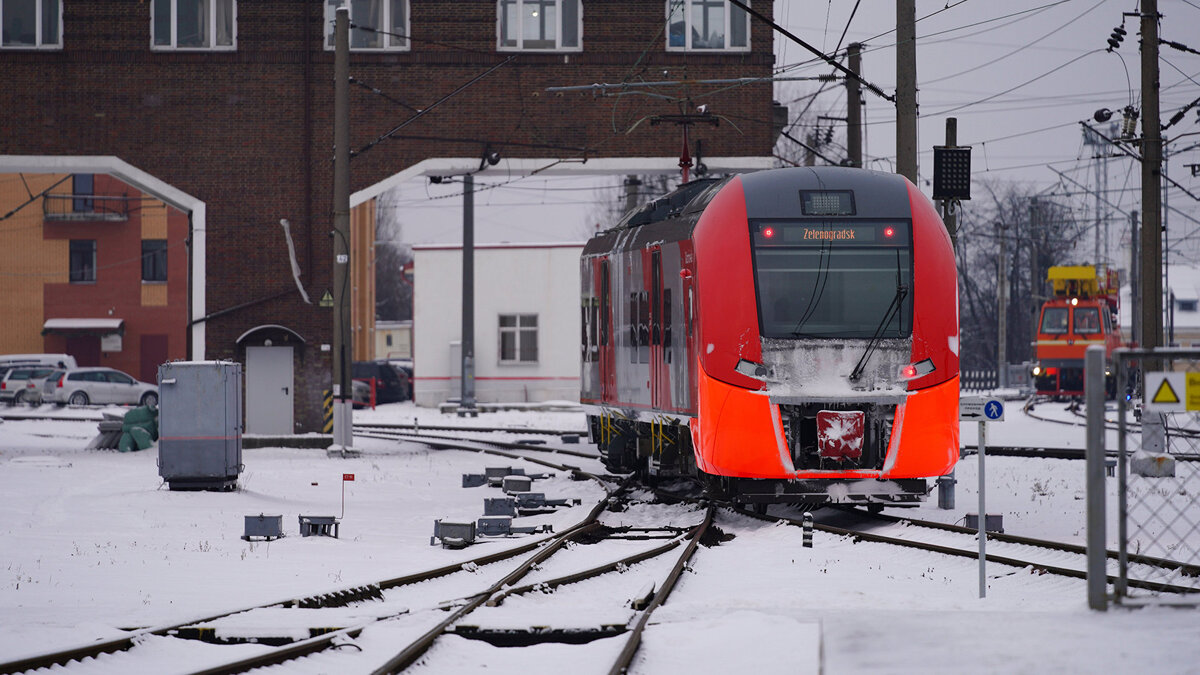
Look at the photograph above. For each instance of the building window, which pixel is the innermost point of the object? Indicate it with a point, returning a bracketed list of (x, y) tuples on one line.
[(518, 338), (31, 24), (83, 261), (154, 260), (545, 25), (1188, 305), (83, 186), (374, 24), (707, 25), (193, 24)]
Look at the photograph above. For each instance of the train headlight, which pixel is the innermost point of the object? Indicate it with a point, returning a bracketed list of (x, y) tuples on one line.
[(751, 369), (914, 370), (1037, 370), (1074, 301)]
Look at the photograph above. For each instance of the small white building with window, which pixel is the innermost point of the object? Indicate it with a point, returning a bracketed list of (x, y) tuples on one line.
[(527, 322)]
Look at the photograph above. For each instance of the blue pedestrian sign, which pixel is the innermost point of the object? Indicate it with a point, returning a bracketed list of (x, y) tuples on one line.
[(980, 409), (993, 410)]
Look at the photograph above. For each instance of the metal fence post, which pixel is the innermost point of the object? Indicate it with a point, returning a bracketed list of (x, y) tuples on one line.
[(1097, 578)]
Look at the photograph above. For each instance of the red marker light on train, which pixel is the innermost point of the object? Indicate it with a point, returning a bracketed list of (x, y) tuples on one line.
[(909, 371), (889, 232), (768, 232)]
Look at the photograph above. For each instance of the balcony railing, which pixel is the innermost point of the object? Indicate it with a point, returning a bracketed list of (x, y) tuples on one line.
[(80, 208)]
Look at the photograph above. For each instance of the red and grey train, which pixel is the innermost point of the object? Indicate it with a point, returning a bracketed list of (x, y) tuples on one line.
[(785, 336)]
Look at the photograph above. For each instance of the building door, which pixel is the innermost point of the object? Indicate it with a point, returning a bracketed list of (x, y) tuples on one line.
[(153, 353), (269, 390), (85, 349)]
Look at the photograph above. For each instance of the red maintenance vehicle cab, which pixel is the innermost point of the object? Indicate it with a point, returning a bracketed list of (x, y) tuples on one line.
[(1082, 312)]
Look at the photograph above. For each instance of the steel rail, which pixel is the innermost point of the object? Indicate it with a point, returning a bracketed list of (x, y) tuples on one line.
[(590, 573), (621, 665), (418, 647), (1186, 569), (438, 427), (329, 599), (397, 435), (963, 553)]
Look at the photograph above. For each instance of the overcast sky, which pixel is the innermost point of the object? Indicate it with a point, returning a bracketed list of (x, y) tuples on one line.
[(1018, 76)]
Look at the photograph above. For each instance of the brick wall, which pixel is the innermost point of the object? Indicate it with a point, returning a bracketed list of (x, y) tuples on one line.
[(250, 131)]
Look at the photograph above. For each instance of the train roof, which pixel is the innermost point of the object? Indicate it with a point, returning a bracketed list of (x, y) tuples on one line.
[(772, 194)]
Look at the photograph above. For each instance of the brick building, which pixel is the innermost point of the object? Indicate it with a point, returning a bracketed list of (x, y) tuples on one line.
[(224, 109), (87, 269)]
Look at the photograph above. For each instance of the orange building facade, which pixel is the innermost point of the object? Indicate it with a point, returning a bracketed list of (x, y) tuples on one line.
[(92, 268)]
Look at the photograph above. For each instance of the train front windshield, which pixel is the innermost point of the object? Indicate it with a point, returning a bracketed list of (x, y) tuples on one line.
[(826, 279)]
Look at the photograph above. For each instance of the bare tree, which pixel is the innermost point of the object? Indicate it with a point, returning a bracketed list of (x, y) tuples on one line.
[(1039, 233), (393, 289)]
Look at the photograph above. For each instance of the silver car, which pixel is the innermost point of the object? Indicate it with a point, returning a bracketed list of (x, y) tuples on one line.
[(83, 386), (14, 388)]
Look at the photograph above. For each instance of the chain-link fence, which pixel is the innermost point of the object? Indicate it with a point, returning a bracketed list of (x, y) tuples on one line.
[(1158, 470)]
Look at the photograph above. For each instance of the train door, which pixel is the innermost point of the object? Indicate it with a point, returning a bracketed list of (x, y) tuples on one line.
[(660, 333), (608, 366)]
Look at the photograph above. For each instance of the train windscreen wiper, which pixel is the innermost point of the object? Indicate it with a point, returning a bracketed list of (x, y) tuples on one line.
[(897, 302)]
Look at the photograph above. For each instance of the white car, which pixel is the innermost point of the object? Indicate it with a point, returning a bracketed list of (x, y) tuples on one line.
[(84, 386)]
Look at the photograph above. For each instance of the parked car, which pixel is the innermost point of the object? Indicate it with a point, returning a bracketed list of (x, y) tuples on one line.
[(391, 384), (83, 386), (34, 360), (14, 388)]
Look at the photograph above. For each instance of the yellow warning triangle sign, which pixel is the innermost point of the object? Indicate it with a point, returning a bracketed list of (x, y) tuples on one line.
[(1165, 393), (326, 300)]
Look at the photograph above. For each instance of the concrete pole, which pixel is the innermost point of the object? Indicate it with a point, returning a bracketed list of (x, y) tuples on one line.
[(342, 393), (854, 149), (906, 89), (467, 401), (1151, 269), (1097, 555), (1153, 437)]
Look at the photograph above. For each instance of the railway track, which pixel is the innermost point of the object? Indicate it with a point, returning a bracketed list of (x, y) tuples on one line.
[(330, 625), (1040, 555)]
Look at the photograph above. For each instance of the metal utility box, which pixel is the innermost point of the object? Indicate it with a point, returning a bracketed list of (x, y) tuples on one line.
[(267, 527), (200, 424)]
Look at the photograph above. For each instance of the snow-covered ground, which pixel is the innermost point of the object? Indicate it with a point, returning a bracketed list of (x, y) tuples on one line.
[(92, 542)]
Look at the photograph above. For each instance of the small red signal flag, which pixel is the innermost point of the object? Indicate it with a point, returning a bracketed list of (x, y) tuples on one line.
[(348, 476)]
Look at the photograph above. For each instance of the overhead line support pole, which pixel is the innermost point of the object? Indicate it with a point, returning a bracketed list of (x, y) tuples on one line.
[(342, 393), (854, 106), (906, 89)]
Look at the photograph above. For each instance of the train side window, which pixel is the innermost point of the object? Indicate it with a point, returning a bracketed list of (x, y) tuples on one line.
[(583, 322), (633, 327), (595, 337), (666, 321), (644, 327), (605, 314), (690, 319)]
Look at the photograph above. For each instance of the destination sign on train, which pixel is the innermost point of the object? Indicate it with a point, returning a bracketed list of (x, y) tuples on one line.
[(835, 233)]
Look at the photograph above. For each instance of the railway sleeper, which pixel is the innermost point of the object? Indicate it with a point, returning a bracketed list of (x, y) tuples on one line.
[(225, 636), (535, 635)]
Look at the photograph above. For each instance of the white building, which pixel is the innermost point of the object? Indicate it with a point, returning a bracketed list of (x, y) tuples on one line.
[(527, 322)]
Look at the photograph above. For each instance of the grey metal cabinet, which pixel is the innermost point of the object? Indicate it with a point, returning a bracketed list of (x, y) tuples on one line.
[(200, 424)]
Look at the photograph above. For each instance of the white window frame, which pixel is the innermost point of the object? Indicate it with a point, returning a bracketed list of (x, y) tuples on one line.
[(686, 7), (520, 46), (518, 331), (390, 42), (212, 30), (38, 6)]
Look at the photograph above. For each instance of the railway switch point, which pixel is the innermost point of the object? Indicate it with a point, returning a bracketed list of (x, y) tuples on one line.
[(264, 527), (993, 523), (319, 526), (500, 506), (517, 484), (452, 535), (501, 526)]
